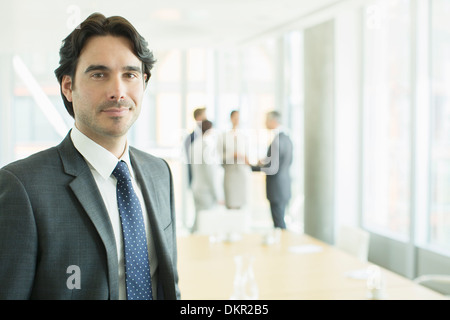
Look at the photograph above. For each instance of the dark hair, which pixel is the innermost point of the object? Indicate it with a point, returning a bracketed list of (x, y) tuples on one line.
[(274, 115), (98, 25), (206, 125)]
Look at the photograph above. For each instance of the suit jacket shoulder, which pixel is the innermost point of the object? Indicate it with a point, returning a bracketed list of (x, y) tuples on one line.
[(50, 219), (34, 164)]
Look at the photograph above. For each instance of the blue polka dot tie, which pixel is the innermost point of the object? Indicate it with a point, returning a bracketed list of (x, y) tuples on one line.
[(137, 267)]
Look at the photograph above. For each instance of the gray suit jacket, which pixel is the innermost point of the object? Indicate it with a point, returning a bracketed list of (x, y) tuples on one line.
[(277, 168), (52, 216)]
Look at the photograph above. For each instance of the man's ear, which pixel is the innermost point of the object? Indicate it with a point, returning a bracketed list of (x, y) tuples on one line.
[(66, 87), (146, 78)]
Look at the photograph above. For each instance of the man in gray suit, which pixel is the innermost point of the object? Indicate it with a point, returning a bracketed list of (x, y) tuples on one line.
[(277, 166), (60, 229)]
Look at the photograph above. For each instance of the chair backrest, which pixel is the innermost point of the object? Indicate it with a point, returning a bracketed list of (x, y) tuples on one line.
[(442, 278), (437, 282), (354, 241)]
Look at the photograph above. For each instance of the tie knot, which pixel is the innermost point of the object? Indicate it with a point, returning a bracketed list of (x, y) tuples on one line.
[(121, 171)]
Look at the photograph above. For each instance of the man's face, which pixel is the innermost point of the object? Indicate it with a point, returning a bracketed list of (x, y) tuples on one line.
[(271, 123), (108, 88), (201, 116), (235, 118), (268, 123)]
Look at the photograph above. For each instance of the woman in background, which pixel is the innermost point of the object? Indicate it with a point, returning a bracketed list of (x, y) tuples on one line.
[(234, 146)]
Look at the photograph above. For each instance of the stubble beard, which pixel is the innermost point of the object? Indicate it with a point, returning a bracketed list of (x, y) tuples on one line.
[(117, 128)]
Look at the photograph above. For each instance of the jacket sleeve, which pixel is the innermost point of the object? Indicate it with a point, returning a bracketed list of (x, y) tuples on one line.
[(18, 239), (271, 163)]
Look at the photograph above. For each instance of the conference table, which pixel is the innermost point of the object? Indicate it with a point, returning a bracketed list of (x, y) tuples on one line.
[(286, 266)]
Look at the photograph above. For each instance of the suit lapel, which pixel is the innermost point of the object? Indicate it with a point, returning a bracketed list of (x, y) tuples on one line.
[(145, 174), (85, 189), (146, 178)]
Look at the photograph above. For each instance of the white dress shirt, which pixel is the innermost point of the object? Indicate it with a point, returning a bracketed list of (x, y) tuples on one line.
[(102, 164)]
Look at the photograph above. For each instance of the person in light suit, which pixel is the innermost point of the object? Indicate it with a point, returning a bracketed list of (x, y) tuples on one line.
[(276, 165), (60, 231), (207, 173)]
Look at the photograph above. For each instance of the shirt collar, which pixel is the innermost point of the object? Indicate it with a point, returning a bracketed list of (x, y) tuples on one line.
[(98, 157)]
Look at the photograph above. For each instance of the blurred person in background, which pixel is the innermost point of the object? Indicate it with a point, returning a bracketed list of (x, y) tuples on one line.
[(233, 146), (199, 116), (207, 172), (276, 165)]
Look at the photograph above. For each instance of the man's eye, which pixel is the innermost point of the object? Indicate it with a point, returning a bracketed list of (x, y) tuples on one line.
[(130, 75), (98, 75)]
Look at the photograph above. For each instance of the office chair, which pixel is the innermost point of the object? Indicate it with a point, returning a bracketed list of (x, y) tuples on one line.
[(443, 279)]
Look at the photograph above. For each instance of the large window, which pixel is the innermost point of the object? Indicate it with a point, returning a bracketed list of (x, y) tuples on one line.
[(39, 117), (439, 219), (387, 117)]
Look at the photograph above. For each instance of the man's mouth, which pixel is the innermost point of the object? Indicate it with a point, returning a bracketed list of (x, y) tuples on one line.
[(116, 112)]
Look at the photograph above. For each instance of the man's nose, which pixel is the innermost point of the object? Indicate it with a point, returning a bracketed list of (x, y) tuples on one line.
[(116, 90)]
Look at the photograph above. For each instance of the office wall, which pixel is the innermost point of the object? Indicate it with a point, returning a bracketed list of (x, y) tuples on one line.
[(319, 131)]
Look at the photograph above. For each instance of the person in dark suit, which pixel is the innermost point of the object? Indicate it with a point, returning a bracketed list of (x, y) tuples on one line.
[(199, 116), (60, 230), (276, 165)]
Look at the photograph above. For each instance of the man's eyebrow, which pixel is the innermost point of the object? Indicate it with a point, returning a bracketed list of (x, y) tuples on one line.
[(132, 68), (99, 67), (96, 67)]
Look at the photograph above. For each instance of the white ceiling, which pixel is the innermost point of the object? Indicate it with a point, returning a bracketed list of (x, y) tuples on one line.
[(41, 25)]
